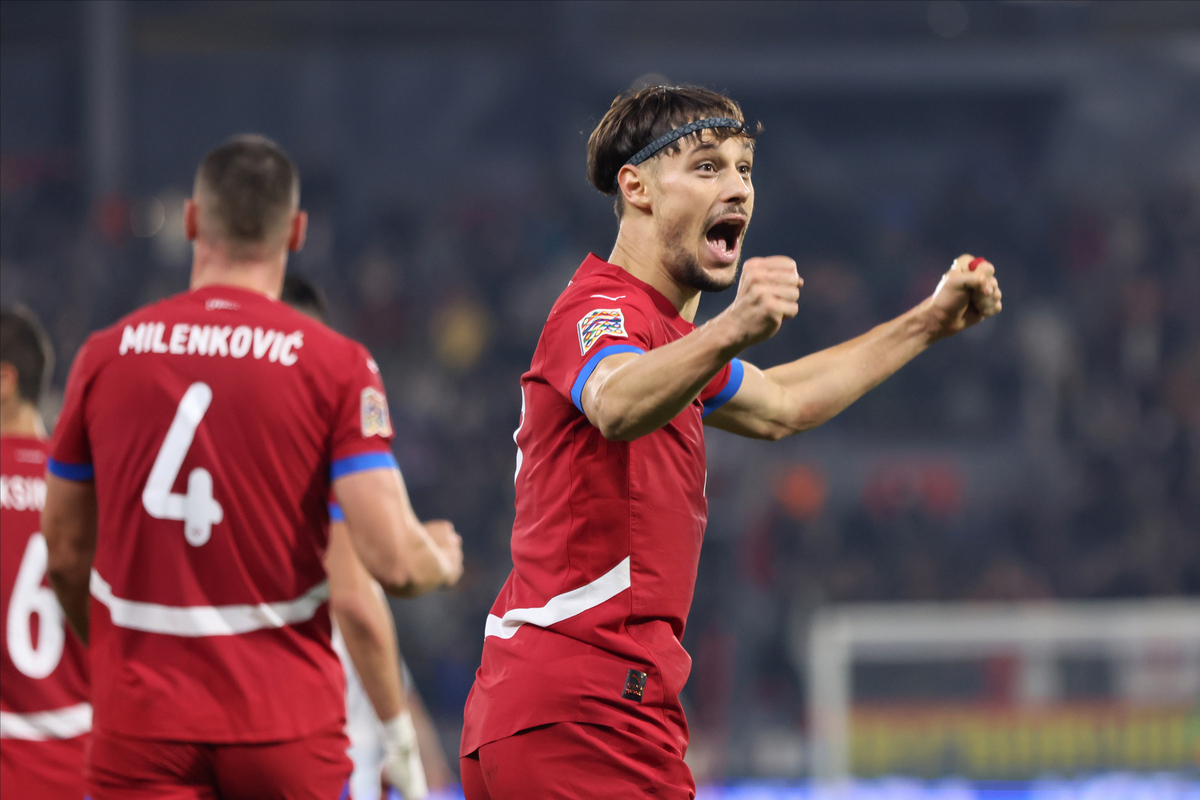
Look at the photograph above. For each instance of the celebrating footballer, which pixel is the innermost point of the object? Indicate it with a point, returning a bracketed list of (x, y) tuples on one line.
[(578, 691)]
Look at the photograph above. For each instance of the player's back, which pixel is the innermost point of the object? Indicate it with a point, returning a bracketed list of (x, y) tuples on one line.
[(211, 421), (44, 710)]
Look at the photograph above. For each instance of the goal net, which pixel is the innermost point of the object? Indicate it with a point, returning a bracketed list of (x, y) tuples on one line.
[(1004, 691)]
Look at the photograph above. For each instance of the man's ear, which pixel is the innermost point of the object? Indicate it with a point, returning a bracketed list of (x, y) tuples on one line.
[(634, 185), (298, 231), (191, 213), (8, 381)]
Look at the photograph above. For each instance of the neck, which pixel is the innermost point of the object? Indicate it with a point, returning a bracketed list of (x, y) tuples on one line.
[(20, 418), (639, 252), (212, 266)]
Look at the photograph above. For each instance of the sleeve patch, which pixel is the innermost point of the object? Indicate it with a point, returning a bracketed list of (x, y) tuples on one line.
[(601, 322), (375, 420)]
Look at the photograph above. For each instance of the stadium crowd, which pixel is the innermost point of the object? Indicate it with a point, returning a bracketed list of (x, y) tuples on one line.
[(1062, 461)]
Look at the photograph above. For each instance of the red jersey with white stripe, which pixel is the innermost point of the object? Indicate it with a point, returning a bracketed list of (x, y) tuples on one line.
[(44, 710), (606, 539), (212, 424)]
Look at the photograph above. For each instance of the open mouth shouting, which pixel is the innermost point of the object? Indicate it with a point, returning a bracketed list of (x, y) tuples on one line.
[(724, 237)]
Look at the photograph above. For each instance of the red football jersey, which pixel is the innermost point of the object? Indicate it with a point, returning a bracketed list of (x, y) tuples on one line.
[(606, 539), (213, 423), (44, 710)]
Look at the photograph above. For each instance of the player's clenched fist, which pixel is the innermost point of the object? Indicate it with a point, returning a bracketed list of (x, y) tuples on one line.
[(449, 545), (767, 295), (967, 293)]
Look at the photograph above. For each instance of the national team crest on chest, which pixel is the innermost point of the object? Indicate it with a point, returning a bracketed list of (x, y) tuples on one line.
[(375, 420), (601, 322)]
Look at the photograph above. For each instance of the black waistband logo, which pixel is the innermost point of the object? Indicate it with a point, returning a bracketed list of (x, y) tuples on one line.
[(635, 684)]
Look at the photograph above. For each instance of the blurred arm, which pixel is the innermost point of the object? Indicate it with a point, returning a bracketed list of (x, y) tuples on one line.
[(405, 556), (69, 525), (433, 757), (367, 627), (365, 620)]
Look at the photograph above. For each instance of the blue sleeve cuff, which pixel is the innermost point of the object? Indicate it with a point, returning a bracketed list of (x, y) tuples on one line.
[(361, 463), (336, 514), (70, 472), (737, 371), (590, 367)]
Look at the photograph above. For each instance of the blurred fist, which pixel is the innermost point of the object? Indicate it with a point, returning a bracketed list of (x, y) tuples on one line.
[(968, 293), (449, 543), (767, 295)]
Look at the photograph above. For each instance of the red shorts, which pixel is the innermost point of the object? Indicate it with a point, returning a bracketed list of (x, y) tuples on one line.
[(572, 760), (50, 770), (313, 768)]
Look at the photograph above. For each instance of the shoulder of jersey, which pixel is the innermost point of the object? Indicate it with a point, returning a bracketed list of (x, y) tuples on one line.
[(600, 288), (336, 346), (335, 343), (144, 313), (141, 314)]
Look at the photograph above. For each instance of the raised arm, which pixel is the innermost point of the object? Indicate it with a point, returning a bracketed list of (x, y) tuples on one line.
[(802, 394), (630, 395), (69, 525), (407, 557)]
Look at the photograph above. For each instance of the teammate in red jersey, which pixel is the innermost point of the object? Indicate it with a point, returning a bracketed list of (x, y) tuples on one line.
[(44, 709), (188, 487), (582, 666)]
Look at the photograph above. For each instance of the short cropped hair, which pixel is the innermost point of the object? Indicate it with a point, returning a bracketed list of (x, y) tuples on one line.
[(637, 118), (25, 345), (251, 188), (304, 296)]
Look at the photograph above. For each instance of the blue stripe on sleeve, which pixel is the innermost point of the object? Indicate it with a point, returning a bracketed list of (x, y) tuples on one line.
[(361, 463), (590, 367), (737, 371), (336, 514), (71, 472)]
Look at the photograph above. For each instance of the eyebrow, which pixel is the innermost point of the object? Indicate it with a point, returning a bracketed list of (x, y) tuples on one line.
[(704, 146)]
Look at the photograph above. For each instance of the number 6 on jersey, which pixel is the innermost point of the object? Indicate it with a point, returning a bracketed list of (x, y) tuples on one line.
[(197, 509)]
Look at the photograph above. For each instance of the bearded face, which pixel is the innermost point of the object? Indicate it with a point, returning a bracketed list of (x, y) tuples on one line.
[(684, 262), (703, 202)]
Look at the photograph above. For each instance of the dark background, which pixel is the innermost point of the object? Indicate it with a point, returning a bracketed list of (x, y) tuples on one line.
[(1050, 453)]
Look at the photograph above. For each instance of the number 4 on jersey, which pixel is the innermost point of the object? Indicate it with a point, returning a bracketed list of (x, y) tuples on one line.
[(197, 509)]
